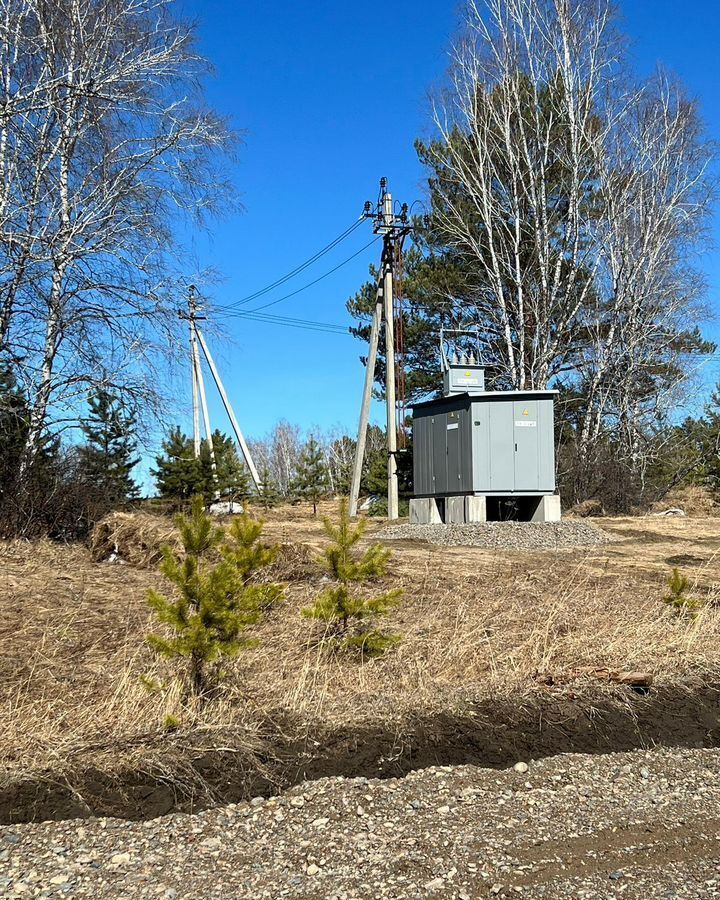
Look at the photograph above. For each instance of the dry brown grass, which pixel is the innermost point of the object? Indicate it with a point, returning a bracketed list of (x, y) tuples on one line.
[(476, 624)]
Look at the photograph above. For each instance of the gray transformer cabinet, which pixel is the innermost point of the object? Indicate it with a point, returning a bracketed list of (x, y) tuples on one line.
[(476, 449)]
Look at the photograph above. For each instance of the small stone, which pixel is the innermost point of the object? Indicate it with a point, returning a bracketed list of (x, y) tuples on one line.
[(495, 889), (521, 767), (443, 810), (60, 879), (616, 876), (257, 801), (120, 858), (312, 869), (436, 884), (297, 802)]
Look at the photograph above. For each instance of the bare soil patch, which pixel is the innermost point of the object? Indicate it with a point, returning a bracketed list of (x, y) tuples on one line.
[(504, 654)]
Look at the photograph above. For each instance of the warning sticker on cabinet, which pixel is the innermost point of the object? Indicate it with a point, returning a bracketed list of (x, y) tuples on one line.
[(525, 424), (450, 427)]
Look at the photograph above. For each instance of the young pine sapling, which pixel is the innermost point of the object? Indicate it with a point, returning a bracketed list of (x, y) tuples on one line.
[(677, 598), (214, 600), (347, 614)]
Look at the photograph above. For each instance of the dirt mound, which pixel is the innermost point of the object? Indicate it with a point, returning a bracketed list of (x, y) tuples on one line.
[(136, 538), (692, 500), (294, 562), (586, 509)]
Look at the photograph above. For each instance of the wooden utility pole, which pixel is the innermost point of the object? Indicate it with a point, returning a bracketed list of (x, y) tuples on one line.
[(394, 230)]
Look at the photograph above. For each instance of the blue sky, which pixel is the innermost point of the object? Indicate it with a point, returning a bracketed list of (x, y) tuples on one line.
[(330, 97)]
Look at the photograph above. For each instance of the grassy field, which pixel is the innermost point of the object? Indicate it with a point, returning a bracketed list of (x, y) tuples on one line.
[(479, 627)]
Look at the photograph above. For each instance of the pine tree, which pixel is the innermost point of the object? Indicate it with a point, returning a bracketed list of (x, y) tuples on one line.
[(311, 480), (232, 478), (43, 489), (179, 475), (108, 457), (14, 414), (347, 615), (215, 600), (268, 495)]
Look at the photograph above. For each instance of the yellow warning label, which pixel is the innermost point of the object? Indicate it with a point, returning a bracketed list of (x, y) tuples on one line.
[(525, 412)]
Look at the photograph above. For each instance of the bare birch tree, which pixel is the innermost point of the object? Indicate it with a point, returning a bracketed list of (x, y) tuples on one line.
[(106, 146), (578, 199)]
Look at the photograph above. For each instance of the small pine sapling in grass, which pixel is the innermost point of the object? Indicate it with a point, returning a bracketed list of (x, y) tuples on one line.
[(247, 556), (213, 603), (347, 615), (677, 598)]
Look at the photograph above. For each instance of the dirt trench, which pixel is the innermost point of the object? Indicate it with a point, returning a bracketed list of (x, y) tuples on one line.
[(185, 775)]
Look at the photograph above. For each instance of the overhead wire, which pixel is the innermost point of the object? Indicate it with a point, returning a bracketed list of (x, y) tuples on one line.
[(306, 324), (297, 270), (320, 278), (231, 310)]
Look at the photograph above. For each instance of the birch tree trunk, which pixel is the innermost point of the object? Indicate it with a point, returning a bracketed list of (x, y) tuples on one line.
[(106, 146)]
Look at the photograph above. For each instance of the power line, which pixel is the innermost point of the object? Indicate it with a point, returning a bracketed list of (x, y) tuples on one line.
[(311, 283), (296, 271), (307, 324), (230, 309)]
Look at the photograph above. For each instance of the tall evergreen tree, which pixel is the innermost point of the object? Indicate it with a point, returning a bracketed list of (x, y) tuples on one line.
[(13, 428), (179, 475), (311, 481), (233, 480), (108, 456), (268, 495)]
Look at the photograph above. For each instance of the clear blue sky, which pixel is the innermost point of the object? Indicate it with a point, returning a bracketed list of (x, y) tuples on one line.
[(331, 96)]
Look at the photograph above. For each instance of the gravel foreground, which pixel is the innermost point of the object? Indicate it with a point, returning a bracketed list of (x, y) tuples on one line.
[(503, 535), (638, 825)]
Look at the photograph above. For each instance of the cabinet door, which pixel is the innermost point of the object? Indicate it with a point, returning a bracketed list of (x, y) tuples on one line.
[(439, 450), (454, 453), (501, 441), (526, 431)]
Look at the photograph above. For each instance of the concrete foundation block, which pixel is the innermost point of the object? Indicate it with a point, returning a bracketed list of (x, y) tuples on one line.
[(424, 511), (454, 510), (548, 509), (476, 509)]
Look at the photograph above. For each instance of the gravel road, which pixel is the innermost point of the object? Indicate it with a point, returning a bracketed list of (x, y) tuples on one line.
[(639, 825), (503, 535)]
